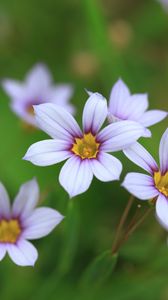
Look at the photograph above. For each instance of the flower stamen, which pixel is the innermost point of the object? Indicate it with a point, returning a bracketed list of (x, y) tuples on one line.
[(161, 182), (9, 231), (86, 147)]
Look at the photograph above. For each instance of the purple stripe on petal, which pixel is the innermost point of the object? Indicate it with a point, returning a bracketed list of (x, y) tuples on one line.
[(5, 210), (163, 152), (141, 157), (41, 222), (94, 113), (118, 99), (76, 176), (152, 117), (140, 185), (48, 152), (120, 135), (57, 122), (23, 253), (162, 210), (26, 200), (106, 167)]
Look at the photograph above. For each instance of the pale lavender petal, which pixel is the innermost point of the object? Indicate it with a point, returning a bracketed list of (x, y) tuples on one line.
[(152, 117), (13, 88), (26, 199), (94, 113), (57, 122), (5, 210), (76, 176), (48, 152), (2, 251), (39, 78), (106, 167), (41, 222), (137, 105), (119, 95), (61, 93), (19, 109), (162, 210), (140, 185), (23, 253), (120, 135), (163, 152), (141, 157)]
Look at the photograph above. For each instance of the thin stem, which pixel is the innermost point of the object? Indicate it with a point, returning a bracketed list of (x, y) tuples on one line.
[(121, 223), (130, 230)]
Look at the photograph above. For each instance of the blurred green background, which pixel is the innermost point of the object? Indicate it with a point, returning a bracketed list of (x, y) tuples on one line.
[(90, 44)]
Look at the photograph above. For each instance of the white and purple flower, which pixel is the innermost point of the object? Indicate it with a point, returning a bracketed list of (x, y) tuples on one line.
[(124, 106), (85, 150), (155, 185), (37, 88), (23, 222)]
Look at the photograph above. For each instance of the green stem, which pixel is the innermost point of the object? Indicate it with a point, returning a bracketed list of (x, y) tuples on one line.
[(121, 223)]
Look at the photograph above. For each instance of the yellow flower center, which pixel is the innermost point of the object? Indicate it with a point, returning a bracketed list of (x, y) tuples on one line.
[(86, 147), (9, 231), (161, 182)]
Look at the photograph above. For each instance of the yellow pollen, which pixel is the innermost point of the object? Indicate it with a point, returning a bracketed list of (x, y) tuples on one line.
[(161, 182), (9, 231), (86, 147)]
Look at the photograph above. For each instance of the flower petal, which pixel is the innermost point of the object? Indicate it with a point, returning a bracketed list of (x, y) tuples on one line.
[(137, 105), (13, 88), (2, 251), (26, 199), (61, 94), (152, 117), (94, 113), (41, 222), (163, 152), (39, 78), (4, 202), (141, 157), (76, 176), (118, 96), (140, 185), (48, 152), (106, 167), (162, 210), (120, 135), (56, 121), (23, 253)]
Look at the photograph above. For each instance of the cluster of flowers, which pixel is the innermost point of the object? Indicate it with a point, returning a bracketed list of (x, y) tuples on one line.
[(86, 152)]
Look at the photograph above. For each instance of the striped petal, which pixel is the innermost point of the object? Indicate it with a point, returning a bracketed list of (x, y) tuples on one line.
[(162, 210), (163, 152), (76, 176), (141, 157), (140, 185), (26, 200), (120, 135), (56, 121), (41, 222), (5, 210), (152, 117), (119, 95), (106, 167), (48, 152), (94, 113), (23, 253)]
